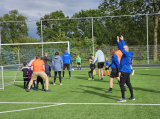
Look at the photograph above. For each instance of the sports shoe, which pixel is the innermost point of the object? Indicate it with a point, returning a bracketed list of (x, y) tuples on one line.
[(44, 89), (62, 77), (104, 75), (133, 72), (98, 79), (102, 78), (89, 78), (28, 90), (92, 79), (122, 100), (54, 84), (60, 83), (36, 90), (48, 90), (51, 82), (109, 91), (132, 98), (69, 77)]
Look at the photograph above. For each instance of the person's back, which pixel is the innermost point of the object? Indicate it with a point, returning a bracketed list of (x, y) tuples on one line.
[(119, 54), (37, 65), (66, 58), (47, 69), (57, 63), (99, 56)]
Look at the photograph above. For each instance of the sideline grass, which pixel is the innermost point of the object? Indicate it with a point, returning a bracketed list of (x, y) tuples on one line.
[(145, 84)]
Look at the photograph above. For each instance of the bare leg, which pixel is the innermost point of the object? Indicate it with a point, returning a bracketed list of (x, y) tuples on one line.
[(47, 83), (118, 79), (30, 83), (51, 79), (102, 72), (99, 73), (111, 82)]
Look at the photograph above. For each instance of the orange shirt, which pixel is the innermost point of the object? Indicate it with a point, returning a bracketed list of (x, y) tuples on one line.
[(38, 65), (119, 54)]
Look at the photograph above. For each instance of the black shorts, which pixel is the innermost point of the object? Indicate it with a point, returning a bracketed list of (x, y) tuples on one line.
[(107, 68), (66, 65), (114, 73), (78, 63), (25, 79), (48, 74), (39, 79), (100, 65)]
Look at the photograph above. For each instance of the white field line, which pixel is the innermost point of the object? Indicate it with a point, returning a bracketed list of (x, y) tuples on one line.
[(32, 108), (52, 103)]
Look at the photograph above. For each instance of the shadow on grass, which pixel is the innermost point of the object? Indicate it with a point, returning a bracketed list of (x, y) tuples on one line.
[(20, 86), (149, 74), (105, 95), (144, 89)]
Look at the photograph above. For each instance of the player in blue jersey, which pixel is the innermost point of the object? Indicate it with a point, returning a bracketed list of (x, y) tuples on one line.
[(125, 69), (107, 67), (66, 58)]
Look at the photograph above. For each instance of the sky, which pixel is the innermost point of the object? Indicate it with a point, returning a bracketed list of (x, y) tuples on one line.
[(35, 9)]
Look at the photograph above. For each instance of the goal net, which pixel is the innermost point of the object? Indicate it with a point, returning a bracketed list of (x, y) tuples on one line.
[(13, 56)]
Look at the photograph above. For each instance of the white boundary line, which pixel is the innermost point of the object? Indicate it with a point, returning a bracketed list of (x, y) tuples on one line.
[(52, 103), (32, 108)]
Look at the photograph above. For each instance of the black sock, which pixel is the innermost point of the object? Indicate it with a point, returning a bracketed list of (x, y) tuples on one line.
[(42, 86), (24, 84), (69, 73)]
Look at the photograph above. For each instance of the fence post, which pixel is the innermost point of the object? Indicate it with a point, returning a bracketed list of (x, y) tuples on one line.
[(147, 39), (2, 78), (92, 37), (18, 57)]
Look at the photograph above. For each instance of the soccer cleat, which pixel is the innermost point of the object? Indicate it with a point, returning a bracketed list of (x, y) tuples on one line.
[(122, 100), (102, 78), (48, 90), (69, 77), (62, 77), (51, 82), (54, 84), (132, 98), (36, 90), (28, 90), (98, 79), (43, 89), (60, 83), (89, 78), (92, 79), (109, 91)]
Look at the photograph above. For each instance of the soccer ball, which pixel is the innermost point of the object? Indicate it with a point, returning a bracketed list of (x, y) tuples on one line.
[(72, 69)]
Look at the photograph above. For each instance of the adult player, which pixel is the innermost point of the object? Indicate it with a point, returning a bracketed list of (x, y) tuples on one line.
[(67, 60), (100, 57), (45, 59), (125, 69), (38, 68)]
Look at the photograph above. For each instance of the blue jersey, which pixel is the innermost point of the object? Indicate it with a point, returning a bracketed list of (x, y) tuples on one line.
[(125, 64), (115, 62), (66, 58), (107, 63)]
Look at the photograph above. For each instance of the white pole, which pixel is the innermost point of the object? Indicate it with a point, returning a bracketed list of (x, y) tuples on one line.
[(147, 40), (92, 37), (68, 48), (2, 79), (42, 38), (18, 57)]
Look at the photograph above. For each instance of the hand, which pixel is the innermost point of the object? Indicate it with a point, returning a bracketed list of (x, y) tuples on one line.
[(71, 65), (92, 62), (121, 37), (106, 66), (117, 38)]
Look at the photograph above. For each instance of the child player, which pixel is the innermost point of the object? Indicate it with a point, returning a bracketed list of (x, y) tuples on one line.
[(29, 77), (25, 75), (78, 62), (107, 67), (48, 71), (92, 67)]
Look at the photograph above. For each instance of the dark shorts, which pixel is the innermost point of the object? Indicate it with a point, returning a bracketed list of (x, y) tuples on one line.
[(107, 68), (39, 79), (114, 73), (48, 74), (78, 63), (66, 65), (100, 65), (25, 79)]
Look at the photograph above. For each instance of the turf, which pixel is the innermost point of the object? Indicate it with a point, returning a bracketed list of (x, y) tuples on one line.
[(82, 98)]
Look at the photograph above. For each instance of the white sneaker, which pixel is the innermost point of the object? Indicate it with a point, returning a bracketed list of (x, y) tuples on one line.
[(133, 72), (54, 84), (60, 83)]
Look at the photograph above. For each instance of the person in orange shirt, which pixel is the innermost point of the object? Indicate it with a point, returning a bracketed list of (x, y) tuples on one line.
[(119, 54), (38, 68)]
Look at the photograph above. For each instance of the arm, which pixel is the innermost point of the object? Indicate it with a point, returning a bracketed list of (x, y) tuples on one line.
[(31, 67), (115, 60), (122, 49), (61, 64), (95, 58), (122, 39), (53, 64), (70, 60), (48, 59)]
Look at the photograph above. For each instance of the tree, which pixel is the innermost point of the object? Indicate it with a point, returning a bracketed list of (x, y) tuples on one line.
[(12, 31), (52, 29)]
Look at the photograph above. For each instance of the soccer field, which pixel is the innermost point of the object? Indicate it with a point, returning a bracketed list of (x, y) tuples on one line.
[(79, 98)]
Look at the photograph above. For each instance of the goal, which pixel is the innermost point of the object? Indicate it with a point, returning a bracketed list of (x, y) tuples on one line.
[(13, 55)]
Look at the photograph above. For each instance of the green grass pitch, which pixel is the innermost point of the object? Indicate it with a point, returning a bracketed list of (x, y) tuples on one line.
[(79, 98)]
